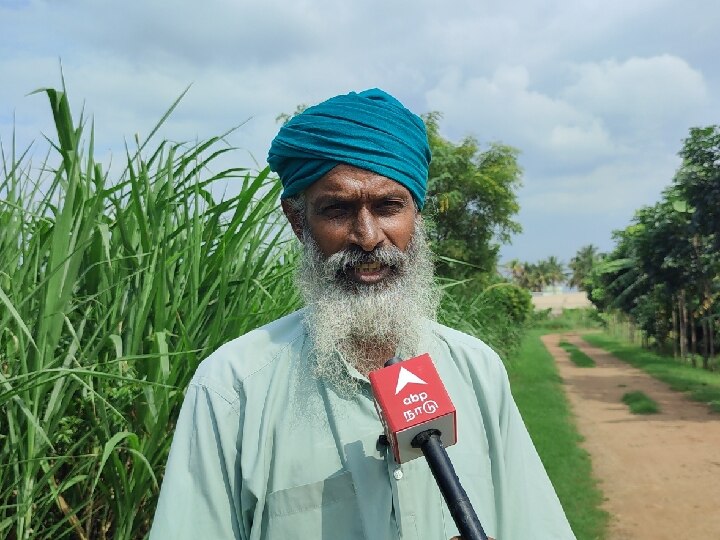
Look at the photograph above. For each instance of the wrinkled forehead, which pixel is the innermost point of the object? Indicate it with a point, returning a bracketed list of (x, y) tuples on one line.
[(346, 183)]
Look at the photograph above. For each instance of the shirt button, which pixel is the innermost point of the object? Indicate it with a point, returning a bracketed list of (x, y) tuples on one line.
[(397, 474)]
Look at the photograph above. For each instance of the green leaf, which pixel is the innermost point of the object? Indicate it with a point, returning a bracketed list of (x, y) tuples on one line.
[(108, 449)]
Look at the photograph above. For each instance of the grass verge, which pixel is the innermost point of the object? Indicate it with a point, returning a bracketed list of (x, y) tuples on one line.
[(640, 403), (539, 395), (577, 357), (700, 385), (569, 319)]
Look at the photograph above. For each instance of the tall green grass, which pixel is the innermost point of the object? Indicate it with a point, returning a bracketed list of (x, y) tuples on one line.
[(481, 312), (112, 290)]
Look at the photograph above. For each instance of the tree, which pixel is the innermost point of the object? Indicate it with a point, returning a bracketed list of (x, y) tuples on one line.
[(471, 194), (664, 270), (697, 185), (536, 276), (554, 271), (581, 265), (284, 118), (699, 179), (533, 277), (516, 269)]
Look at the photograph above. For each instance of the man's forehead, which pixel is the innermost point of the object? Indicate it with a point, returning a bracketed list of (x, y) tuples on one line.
[(348, 182)]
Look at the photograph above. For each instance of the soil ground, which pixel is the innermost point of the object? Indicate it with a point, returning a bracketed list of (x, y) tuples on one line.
[(660, 473)]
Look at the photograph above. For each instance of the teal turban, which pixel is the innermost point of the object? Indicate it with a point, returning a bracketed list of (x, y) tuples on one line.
[(371, 130)]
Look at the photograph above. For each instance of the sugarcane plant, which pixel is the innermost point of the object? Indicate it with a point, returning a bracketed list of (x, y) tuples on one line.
[(112, 289)]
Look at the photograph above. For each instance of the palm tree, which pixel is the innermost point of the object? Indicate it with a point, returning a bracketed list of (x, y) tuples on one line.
[(582, 263), (554, 271), (535, 277), (517, 271)]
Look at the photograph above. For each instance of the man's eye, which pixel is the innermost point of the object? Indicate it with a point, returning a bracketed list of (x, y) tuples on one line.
[(335, 210), (391, 206)]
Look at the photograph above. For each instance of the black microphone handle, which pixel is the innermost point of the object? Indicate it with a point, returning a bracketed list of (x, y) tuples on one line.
[(455, 497), (394, 360)]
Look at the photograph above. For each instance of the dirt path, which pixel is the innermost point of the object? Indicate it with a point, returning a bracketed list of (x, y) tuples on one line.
[(660, 473)]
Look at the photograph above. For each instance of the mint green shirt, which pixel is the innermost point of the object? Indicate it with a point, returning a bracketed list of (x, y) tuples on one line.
[(264, 450)]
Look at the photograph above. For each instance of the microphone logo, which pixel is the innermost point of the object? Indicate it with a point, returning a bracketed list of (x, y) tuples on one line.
[(405, 377), (410, 398), (430, 407)]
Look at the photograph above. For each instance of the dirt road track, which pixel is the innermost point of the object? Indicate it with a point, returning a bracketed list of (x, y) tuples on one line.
[(660, 473)]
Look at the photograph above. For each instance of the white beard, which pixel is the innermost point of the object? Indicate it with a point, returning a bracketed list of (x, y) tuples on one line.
[(353, 321)]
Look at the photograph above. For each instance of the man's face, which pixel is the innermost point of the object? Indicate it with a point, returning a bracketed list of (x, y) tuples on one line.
[(365, 272), (351, 209)]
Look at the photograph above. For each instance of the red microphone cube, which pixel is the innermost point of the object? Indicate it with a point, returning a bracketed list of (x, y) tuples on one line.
[(410, 398)]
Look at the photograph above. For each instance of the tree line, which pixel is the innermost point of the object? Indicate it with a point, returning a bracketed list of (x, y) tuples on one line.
[(551, 272), (663, 273)]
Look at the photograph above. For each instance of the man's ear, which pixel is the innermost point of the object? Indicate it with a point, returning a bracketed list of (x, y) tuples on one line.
[(294, 217)]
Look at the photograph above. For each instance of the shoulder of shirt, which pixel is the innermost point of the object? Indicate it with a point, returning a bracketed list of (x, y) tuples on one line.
[(232, 363), (469, 350), (457, 339)]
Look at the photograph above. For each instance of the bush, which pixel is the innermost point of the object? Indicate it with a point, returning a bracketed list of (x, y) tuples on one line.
[(514, 302), (496, 313)]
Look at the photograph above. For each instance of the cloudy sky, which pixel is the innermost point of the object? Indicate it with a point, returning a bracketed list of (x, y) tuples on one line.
[(597, 95)]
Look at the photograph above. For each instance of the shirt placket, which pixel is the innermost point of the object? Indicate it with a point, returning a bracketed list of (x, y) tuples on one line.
[(406, 501)]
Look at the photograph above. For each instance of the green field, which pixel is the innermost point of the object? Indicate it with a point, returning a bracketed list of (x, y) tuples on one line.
[(538, 392)]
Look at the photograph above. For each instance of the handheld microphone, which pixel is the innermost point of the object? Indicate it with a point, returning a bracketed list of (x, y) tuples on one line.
[(416, 412), (411, 398)]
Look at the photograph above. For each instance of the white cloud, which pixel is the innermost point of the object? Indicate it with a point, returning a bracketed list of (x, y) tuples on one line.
[(645, 93), (613, 188), (596, 96), (505, 107)]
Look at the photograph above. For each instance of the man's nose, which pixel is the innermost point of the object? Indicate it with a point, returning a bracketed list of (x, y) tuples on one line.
[(367, 232)]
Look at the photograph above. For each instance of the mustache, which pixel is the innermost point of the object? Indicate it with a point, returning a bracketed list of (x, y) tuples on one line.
[(343, 261)]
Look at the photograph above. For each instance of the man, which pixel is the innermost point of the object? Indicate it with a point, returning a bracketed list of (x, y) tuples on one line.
[(278, 434)]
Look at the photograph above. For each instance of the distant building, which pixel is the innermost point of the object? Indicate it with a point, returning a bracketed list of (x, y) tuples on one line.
[(559, 301)]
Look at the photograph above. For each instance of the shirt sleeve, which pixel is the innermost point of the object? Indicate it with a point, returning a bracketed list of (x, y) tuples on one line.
[(529, 506), (200, 491)]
